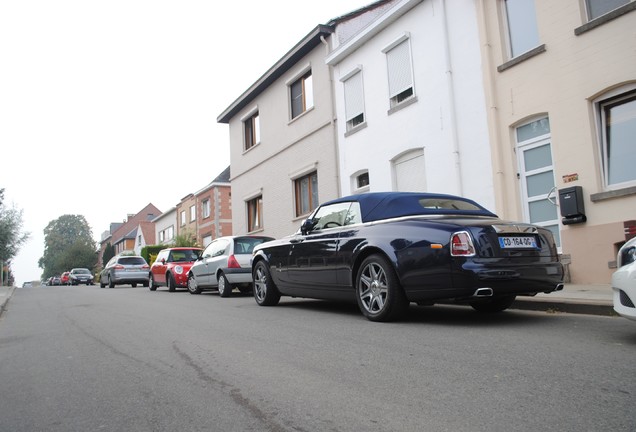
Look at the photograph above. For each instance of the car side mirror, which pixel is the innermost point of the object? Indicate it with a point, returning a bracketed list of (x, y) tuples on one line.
[(307, 226), (163, 261)]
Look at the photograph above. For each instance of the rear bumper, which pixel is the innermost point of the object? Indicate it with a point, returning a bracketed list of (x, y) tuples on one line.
[(238, 275), (473, 281), (130, 277)]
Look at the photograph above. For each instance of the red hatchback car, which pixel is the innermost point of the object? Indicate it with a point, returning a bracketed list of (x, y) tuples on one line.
[(64, 279), (171, 267)]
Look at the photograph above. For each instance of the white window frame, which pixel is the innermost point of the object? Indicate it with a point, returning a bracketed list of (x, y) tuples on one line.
[(398, 85), (183, 218), (307, 91), (205, 208), (599, 104), (511, 53), (588, 8), (353, 89), (253, 118), (193, 213)]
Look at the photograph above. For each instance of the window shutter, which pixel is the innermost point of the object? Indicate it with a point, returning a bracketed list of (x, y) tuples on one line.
[(354, 98), (399, 65)]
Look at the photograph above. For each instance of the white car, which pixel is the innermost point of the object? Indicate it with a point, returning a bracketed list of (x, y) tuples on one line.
[(624, 281)]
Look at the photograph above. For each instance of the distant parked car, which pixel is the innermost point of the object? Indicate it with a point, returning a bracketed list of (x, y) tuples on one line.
[(225, 264), (27, 285), (125, 269), (171, 267), (386, 250), (80, 276), (64, 278), (624, 281), (55, 280)]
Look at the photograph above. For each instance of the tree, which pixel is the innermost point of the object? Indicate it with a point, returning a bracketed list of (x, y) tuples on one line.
[(186, 239), (68, 243), (11, 235), (109, 252)]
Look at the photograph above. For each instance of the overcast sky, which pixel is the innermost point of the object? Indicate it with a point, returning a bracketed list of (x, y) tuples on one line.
[(106, 106)]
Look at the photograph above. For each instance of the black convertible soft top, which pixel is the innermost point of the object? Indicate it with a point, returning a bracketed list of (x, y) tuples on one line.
[(385, 205)]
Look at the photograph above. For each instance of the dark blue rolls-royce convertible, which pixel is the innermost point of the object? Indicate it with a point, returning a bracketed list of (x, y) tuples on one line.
[(385, 250)]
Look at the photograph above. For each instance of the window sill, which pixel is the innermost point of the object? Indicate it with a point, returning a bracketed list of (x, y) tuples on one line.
[(250, 149), (603, 19), (402, 105), (618, 193), (520, 59), (356, 129), (302, 114), (259, 230)]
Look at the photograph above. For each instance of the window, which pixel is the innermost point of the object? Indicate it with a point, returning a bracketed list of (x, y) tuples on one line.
[(255, 214), (183, 218), (618, 129), (337, 215), (162, 236), (193, 213), (354, 100), (362, 180), (306, 190), (398, 57), (139, 240), (596, 8), (302, 95), (252, 129), (522, 26), (169, 233), (205, 208)]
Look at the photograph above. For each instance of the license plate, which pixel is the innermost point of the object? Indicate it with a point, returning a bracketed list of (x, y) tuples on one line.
[(518, 242)]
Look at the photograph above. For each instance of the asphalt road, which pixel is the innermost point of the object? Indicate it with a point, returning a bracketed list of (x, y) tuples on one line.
[(127, 359)]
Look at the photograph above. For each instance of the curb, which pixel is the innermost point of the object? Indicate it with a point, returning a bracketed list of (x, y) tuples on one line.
[(565, 306), (5, 299)]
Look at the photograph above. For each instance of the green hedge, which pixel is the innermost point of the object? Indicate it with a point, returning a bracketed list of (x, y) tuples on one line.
[(149, 253)]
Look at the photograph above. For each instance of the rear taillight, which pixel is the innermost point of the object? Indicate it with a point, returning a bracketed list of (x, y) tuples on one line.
[(462, 244), (119, 267), (145, 266), (232, 262)]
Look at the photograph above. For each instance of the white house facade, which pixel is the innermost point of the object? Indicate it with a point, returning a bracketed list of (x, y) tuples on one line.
[(410, 100), (165, 227)]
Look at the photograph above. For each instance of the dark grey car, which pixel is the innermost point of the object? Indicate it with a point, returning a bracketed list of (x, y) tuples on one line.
[(125, 269)]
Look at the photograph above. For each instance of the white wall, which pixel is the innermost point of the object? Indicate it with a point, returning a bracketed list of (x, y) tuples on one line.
[(449, 114)]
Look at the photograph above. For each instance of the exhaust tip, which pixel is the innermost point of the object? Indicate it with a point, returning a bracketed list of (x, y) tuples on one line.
[(483, 292), (559, 287)]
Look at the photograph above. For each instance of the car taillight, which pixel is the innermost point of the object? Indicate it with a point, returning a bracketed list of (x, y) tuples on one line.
[(119, 267), (145, 266), (462, 244), (232, 262)]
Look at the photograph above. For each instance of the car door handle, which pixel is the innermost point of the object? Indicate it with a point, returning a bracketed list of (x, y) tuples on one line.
[(297, 240)]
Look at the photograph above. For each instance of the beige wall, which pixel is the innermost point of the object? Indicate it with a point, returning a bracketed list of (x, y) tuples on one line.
[(562, 82), (287, 148)]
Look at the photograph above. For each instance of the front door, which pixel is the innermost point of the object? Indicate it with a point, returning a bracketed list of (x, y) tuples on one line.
[(536, 173)]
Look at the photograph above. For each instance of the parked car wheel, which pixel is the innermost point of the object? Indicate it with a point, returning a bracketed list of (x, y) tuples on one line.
[(225, 287), (102, 284), (171, 282), (265, 292), (193, 286), (495, 305), (379, 294), (151, 284), (111, 284)]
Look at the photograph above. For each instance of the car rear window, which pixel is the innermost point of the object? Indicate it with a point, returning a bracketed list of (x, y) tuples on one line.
[(447, 204), (131, 261), (245, 245)]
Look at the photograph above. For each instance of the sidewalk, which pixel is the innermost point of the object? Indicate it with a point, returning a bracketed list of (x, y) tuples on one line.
[(5, 295), (582, 299)]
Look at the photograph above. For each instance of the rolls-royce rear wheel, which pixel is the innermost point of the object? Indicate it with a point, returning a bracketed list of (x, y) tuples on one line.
[(378, 292)]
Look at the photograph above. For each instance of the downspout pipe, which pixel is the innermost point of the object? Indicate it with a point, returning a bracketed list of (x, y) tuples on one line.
[(334, 125), (450, 87)]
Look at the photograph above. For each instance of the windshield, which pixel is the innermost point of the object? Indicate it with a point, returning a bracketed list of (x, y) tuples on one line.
[(80, 271)]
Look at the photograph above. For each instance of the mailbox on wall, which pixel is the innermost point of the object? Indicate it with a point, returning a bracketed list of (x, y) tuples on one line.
[(571, 205)]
